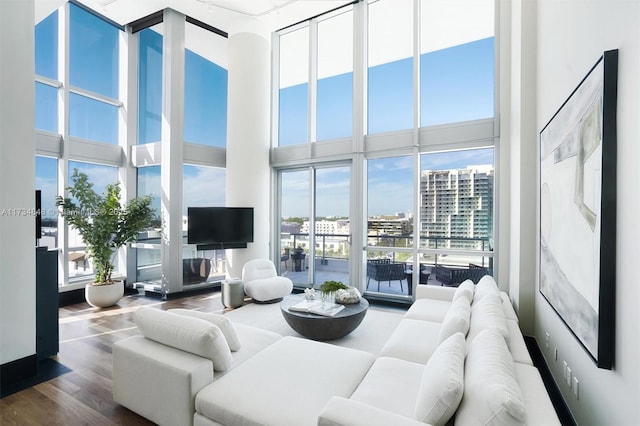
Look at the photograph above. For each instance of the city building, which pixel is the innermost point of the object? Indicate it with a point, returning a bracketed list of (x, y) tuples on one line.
[(457, 207)]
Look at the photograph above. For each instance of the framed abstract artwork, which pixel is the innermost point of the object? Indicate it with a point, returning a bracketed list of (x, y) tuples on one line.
[(577, 251)]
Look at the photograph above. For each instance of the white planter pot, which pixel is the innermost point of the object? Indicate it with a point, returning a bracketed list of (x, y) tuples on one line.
[(103, 296)]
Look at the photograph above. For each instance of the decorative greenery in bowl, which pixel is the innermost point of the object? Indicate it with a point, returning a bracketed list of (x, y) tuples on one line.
[(330, 287)]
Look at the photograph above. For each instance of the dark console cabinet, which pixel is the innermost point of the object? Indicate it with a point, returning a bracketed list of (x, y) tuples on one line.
[(46, 302)]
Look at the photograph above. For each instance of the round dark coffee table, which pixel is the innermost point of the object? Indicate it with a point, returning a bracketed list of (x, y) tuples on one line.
[(318, 327)]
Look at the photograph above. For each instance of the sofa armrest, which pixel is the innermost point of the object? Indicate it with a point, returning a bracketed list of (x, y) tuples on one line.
[(343, 411), (509, 312), (158, 382), (516, 344), (424, 291)]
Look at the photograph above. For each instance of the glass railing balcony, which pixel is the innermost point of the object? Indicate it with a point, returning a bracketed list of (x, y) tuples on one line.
[(443, 260)]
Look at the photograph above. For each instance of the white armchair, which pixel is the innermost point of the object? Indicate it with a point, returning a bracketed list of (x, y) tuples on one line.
[(262, 283)]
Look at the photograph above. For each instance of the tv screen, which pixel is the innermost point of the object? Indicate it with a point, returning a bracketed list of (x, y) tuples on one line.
[(212, 225)]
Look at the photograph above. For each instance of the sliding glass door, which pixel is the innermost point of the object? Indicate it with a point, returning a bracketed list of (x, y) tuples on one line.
[(315, 224)]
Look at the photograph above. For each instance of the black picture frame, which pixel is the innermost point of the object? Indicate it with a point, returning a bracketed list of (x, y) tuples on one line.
[(577, 189)]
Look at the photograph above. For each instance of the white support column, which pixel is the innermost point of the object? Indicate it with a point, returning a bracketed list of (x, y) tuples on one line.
[(172, 150), (523, 176), (248, 170)]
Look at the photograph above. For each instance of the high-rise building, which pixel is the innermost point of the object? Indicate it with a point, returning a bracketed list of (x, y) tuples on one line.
[(456, 207)]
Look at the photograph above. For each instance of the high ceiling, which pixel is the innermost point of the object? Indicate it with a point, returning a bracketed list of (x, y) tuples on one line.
[(275, 14)]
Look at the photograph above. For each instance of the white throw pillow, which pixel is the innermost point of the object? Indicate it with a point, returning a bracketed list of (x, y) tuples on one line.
[(465, 289), (456, 320), (486, 285), (492, 395), (224, 323), (189, 334), (442, 383), (487, 313)]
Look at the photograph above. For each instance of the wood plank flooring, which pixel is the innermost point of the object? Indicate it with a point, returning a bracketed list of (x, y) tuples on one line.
[(83, 396)]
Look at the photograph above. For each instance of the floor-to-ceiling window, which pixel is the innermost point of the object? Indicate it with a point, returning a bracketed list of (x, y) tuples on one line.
[(315, 224), (390, 66), (77, 121), (334, 99), (295, 205), (100, 176), (202, 187), (83, 87), (200, 131), (410, 83), (47, 183), (150, 84), (389, 223), (293, 124)]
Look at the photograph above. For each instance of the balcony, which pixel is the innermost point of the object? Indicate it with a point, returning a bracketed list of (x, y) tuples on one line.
[(440, 264)]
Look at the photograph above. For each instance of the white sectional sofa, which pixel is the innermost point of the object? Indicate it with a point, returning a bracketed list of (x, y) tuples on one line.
[(501, 385), (454, 358)]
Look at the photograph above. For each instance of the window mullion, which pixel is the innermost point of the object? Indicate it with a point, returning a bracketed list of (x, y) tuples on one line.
[(63, 129), (313, 82)]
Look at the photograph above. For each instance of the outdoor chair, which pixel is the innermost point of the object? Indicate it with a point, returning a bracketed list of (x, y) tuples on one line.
[(385, 270), (284, 256)]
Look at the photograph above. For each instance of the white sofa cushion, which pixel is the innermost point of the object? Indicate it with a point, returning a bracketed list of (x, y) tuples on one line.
[(225, 325), (287, 383), (412, 340), (487, 313), (492, 395), (442, 382), (254, 340), (540, 410), (391, 384), (456, 319), (486, 285), (465, 289), (343, 411), (428, 309), (189, 334)]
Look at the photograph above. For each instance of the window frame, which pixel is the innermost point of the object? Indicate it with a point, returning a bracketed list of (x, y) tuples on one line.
[(480, 133)]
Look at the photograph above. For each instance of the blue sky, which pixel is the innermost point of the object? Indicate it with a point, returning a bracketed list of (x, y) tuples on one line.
[(456, 85)]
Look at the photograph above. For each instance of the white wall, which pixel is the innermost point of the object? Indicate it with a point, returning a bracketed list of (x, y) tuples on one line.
[(17, 181), (571, 37)]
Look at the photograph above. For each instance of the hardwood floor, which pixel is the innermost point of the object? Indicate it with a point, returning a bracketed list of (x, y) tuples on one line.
[(83, 396)]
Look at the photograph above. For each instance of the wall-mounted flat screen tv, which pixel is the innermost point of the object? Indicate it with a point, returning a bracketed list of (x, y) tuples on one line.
[(219, 225)]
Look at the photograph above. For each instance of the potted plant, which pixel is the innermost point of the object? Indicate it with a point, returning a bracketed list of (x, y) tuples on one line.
[(106, 223)]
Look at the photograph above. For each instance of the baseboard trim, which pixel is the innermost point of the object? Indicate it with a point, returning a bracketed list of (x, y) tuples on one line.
[(71, 297), (564, 414), (18, 370)]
